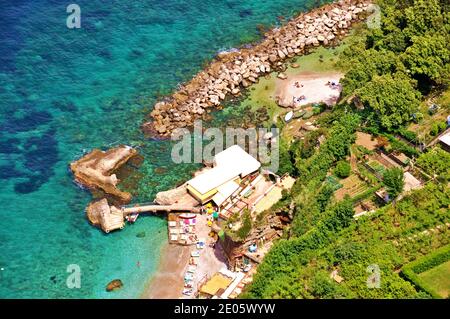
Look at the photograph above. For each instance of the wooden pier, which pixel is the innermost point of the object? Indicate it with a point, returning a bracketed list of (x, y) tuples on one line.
[(159, 208), (109, 218)]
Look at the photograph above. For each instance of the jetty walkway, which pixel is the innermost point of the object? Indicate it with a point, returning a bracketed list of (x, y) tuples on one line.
[(153, 208)]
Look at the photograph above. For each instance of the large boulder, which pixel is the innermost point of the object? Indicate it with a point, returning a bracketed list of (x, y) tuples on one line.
[(114, 285)]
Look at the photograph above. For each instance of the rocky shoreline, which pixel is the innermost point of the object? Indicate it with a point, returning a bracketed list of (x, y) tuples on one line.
[(232, 72)]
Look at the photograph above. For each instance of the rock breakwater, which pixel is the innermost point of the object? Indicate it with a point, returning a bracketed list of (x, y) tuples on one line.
[(233, 71)]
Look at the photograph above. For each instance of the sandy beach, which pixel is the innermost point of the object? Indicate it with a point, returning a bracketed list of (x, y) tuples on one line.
[(313, 86), (168, 282)]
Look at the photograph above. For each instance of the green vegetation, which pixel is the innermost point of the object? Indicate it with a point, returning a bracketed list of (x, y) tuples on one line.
[(394, 65), (431, 273), (290, 268), (394, 181), (437, 128), (342, 169), (389, 73), (246, 227), (392, 100), (436, 162)]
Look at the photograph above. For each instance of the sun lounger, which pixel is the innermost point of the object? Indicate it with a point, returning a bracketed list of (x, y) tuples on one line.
[(174, 237), (195, 253), (201, 243), (192, 268), (174, 231), (172, 223), (187, 291)]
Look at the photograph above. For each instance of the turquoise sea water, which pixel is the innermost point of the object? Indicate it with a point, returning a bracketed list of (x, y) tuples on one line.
[(63, 92)]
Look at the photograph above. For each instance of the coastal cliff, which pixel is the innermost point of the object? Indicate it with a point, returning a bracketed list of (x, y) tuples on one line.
[(233, 71)]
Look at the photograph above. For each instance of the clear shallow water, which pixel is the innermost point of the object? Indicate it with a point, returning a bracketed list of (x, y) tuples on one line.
[(63, 92)]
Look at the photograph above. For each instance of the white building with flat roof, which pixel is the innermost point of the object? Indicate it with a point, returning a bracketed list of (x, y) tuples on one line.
[(445, 141), (219, 182)]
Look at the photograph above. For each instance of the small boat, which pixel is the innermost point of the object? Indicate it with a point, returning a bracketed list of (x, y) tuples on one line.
[(288, 116), (132, 218), (187, 215)]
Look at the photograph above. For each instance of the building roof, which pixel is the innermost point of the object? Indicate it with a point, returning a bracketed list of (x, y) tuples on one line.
[(445, 138), (213, 178), (217, 282), (411, 182), (236, 156), (229, 164), (224, 191)]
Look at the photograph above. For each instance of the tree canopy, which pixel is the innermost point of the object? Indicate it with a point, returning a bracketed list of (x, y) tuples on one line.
[(393, 100), (394, 181)]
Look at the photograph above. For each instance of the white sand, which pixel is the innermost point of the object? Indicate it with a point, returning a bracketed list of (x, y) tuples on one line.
[(315, 89)]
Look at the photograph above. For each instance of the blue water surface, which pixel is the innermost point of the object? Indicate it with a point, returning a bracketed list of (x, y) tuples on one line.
[(65, 91)]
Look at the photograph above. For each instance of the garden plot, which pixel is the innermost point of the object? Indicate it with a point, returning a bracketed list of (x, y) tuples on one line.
[(352, 186)]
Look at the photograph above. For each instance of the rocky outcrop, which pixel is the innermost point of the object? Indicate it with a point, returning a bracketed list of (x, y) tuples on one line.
[(106, 217), (96, 170), (114, 285), (233, 71)]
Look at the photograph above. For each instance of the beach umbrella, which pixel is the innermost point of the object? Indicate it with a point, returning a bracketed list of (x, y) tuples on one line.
[(215, 215)]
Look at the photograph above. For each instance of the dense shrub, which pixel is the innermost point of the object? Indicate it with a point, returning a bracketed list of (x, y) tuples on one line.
[(436, 162), (394, 181), (246, 227), (428, 262), (342, 169)]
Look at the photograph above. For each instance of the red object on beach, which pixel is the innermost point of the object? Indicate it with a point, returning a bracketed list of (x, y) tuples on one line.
[(188, 216)]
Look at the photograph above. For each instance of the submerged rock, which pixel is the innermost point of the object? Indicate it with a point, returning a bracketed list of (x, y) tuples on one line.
[(140, 234), (114, 285)]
